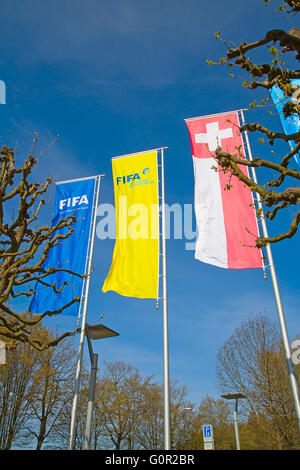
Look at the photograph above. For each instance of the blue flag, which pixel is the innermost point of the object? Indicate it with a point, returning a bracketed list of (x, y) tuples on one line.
[(290, 124), (72, 198)]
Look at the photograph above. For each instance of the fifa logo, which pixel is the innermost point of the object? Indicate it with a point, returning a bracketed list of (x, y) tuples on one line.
[(2, 92), (73, 201), (131, 178)]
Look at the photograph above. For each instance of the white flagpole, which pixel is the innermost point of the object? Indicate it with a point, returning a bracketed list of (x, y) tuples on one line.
[(285, 339), (165, 314), (83, 322)]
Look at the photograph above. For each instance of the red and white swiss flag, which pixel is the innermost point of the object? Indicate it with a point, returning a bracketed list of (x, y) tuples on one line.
[(222, 216)]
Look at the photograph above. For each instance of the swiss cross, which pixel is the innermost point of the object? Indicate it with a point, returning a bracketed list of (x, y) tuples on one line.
[(213, 136)]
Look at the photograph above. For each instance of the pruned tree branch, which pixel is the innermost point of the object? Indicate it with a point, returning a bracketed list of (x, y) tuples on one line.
[(275, 35), (25, 247), (282, 191)]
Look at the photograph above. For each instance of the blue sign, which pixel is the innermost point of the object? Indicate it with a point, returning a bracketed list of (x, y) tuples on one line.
[(207, 430), (72, 198), (291, 124)]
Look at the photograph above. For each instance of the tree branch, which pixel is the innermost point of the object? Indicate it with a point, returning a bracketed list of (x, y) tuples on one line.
[(285, 40)]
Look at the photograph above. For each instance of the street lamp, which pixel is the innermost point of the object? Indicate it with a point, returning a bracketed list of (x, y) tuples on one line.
[(94, 332), (236, 397)]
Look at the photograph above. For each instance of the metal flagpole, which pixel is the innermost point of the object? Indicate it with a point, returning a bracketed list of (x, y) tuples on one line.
[(286, 343), (165, 313), (83, 322)]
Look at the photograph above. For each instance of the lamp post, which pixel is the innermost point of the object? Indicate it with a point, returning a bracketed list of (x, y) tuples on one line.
[(235, 396), (93, 332)]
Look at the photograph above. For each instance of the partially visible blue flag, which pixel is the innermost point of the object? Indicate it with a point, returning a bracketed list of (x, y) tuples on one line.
[(72, 198), (291, 124)]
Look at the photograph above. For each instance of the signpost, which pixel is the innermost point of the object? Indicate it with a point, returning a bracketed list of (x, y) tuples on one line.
[(208, 437)]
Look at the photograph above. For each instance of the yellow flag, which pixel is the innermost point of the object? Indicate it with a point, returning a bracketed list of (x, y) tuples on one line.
[(135, 264)]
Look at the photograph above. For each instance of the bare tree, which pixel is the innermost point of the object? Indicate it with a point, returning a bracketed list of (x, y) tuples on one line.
[(252, 362), (16, 382), (24, 247), (150, 430), (129, 410), (51, 392), (283, 191), (181, 415), (119, 399)]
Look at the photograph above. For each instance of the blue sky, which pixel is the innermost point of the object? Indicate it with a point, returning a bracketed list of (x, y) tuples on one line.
[(120, 77)]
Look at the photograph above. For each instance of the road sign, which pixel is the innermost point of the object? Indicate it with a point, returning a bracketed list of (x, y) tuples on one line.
[(209, 446), (207, 432), (208, 437)]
